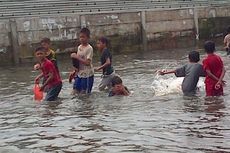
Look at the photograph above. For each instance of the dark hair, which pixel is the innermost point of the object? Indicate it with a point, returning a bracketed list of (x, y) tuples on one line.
[(209, 46), (228, 29), (40, 49), (116, 80), (194, 56), (45, 40), (85, 31), (104, 40)]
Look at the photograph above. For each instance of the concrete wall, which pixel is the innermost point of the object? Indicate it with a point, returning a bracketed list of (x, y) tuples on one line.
[(127, 31)]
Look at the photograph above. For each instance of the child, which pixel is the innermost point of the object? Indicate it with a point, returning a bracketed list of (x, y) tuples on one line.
[(52, 83), (191, 73), (50, 54), (215, 71), (73, 74), (84, 80), (227, 41), (118, 88), (106, 64)]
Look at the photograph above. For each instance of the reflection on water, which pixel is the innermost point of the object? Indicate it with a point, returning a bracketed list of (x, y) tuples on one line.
[(142, 122)]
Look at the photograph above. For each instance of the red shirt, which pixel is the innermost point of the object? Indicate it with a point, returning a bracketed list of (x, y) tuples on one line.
[(48, 67), (213, 63)]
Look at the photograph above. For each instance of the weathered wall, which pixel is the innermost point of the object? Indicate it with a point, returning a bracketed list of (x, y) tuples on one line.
[(5, 47), (162, 28)]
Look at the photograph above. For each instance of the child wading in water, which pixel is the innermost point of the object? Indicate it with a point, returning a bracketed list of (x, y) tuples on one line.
[(85, 77), (227, 41), (106, 64), (214, 68), (50, 54), (191, 73), (118, 88), (52, 81)]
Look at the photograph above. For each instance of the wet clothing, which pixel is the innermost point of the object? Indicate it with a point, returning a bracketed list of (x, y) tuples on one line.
[(214, 64), (48, 67), (54, 86), (86, 53), (107, 72), (52, 57), (191, 73), (85, 77), (53, 92), (106, 82), (108, 69), (83, 84)]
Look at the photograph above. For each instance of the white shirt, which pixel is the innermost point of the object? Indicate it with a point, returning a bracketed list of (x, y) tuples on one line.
[(86, 53)]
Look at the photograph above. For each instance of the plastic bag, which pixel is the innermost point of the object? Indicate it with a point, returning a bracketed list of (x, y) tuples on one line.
[(38, 95)]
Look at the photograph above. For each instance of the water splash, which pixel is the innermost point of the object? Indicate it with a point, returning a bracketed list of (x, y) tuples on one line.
[(171, 85)]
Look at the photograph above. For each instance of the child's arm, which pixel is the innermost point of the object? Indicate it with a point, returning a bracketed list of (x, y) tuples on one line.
[(85, 62), (209, 73), (220, 81), (50, 77), (167, 72), (37, 79), (125, 91), (108, 62)]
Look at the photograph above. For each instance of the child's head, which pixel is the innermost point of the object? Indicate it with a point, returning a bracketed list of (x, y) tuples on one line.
[(45, 42), (209, 47), (194, 56), (117, 83), (40, 53), (102, 43), (84, 36)]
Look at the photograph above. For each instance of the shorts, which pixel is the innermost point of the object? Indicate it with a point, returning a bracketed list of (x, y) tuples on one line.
[(83, 84), (106, 82), (53, 93), (211, 91)]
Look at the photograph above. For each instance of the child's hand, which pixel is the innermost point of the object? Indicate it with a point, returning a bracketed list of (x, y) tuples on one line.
[(37, 79), (42, 88), (97, 69), (218, 85), (37, 66), (161, 72)]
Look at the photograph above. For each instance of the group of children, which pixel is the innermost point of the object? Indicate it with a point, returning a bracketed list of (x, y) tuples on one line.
[(83, 70), (212, 69)]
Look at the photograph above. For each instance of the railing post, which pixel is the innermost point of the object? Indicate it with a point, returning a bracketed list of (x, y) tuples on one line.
[(14, 41), (143, 30)]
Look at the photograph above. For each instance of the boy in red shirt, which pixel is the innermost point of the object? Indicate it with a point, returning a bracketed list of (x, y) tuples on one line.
[(215, 71), (53, 83)]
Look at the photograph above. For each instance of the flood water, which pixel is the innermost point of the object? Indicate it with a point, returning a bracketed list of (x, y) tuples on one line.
[(144, 122)]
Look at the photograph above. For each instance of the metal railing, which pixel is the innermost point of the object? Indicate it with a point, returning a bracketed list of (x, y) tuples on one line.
[(21, 8)]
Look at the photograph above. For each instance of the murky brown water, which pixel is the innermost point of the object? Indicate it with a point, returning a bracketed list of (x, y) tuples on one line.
[(140, 123)]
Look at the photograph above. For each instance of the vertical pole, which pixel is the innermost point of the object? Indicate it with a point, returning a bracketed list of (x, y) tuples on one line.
[(196, 21), (14, 41), (143, 30)]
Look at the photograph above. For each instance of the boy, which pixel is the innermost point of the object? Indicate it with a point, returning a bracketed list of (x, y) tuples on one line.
[(118, 88), (191, 73), (215, 71), (106, 64), (50, 54), (227, 41), (84, 80), (52, 83)]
